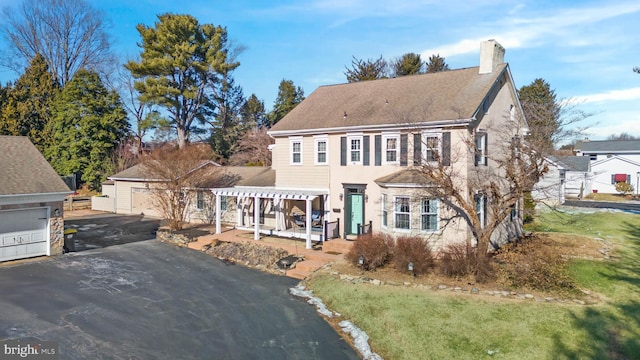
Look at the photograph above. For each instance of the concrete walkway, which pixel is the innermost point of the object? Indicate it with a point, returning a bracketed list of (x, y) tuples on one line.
[(322, 253)]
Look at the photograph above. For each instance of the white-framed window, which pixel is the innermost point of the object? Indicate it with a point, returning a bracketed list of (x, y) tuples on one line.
[(296, 150), (481, 148), (391, 148), (385, 215), (402, 213), (429, 214), (512, 113), (355, 149), (200, 200), (481, 209), (223, 203), (321, 144), (432, 147), (514, 212)]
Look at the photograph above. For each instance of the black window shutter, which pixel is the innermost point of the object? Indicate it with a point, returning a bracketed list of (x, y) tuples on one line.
[(343, 151), (365, 150), (417, 149), (403, 149), (378, 150), (446, 148), (613, 179)]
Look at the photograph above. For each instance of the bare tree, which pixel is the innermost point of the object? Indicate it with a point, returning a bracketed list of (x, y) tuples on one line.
[(253, 149), (69, 34), (174, 173)]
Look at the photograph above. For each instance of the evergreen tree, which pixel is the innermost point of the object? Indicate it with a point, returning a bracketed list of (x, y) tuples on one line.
[(362, 70), (542, 111), (289, 96), (408, 64), (27, 108), (436, 64), (227, 126), (182, 61), (89, 121), (253, 113)]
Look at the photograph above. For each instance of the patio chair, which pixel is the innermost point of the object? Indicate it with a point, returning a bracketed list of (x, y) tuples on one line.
[(316, 218), (299, 220)]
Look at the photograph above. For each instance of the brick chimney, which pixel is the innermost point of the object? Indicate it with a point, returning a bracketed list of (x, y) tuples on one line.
[(491, 55)]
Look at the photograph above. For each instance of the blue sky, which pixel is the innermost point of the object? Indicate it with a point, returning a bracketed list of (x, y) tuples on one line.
[(585, 49)]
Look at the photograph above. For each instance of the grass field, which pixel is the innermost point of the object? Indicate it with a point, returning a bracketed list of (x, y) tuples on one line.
[(412, 323)]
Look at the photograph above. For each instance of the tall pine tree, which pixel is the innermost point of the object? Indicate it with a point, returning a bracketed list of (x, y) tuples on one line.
[(289, 96), (89, 122), (27, 106)]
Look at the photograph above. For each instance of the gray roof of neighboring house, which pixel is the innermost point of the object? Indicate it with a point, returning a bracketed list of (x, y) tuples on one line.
[(230, 176), (573, 163), (25, 171), (447, 95), (610, 146)]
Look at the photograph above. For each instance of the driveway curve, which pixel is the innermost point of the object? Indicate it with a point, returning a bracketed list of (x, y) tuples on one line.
[(151, 300)]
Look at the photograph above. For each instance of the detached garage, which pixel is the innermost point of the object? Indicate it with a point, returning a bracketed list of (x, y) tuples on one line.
[(31, 197)]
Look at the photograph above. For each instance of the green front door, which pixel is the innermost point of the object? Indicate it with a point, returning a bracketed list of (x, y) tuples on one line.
[(356, 212)]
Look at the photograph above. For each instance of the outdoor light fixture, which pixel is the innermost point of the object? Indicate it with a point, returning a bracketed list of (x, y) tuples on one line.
[(56, 212), (366, 198), (341, 196)]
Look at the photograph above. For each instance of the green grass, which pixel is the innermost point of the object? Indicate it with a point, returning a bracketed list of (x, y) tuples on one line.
[(409, 323)]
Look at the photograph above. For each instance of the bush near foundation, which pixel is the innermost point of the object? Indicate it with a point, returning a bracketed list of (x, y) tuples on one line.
[(457, 260), (376, 250), (412, 249)]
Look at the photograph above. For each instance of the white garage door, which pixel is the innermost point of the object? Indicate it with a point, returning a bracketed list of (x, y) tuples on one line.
[(23, 233)]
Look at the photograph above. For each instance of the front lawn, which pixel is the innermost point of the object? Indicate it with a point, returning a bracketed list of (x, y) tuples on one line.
[(408, 322)]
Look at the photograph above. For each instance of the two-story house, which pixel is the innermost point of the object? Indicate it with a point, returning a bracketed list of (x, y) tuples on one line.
[(348, 154)]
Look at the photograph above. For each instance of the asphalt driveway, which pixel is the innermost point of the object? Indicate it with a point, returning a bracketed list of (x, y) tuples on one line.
[(151, 300), (106, 229)]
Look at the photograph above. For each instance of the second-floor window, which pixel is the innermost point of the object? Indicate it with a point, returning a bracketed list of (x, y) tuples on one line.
[(432, 147), (481, 148), (320, 150), (296, 151), (481, 209), (355, 150), (391, 145)]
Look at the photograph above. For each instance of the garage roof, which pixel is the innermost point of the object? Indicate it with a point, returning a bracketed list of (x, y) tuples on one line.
[(25, 170)]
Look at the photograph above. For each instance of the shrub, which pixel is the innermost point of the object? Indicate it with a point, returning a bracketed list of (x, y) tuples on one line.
[(376, 250), (461, 260), (529, 264), (412, 249), (624, 188)]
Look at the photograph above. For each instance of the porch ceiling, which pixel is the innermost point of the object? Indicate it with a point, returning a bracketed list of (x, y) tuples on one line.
[(270, 193)]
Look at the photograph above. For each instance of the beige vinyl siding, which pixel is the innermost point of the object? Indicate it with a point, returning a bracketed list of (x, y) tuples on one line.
[(306, 175)]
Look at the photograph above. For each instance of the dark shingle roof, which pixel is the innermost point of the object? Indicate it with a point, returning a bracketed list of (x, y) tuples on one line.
[(447, 95), (23, 170), (573, 163), (610, 146)]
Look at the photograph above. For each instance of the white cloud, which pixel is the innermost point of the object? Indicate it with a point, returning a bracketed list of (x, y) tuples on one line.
[(546, 27), (612, 95)]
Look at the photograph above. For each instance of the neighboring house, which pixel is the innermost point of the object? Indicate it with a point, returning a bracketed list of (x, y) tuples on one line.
[(130, 191), (31, 198), (612, 161), (566, 176), (345, 156)]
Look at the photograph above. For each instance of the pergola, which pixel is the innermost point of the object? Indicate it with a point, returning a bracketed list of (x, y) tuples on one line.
[(277, 194)]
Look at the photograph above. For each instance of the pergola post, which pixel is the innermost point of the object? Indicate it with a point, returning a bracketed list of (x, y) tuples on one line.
[(308, 223), (256, 218), (239, 211), (218, 217)]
